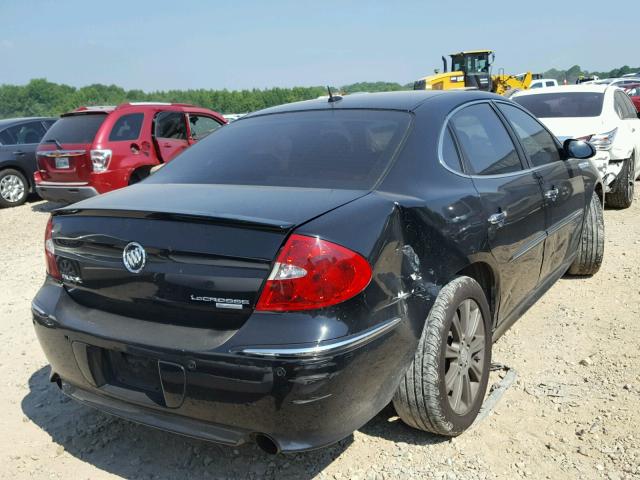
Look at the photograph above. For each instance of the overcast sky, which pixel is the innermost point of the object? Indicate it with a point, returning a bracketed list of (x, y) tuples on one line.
[(158, 44)]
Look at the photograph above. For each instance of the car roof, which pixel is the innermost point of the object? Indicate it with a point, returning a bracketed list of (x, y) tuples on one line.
[(593, 88), (7, 122), (139, 106), (407, 101)]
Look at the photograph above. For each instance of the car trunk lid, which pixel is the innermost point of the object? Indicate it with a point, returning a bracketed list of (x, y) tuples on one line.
[(64, 155), (208, 248)]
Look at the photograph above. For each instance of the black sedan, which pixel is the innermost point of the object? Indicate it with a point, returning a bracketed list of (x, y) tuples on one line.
[(19, 138), (287, 277)]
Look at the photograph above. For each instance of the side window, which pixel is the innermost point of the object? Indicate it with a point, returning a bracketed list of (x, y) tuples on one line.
[(551, 84), (632, 113), (538, 144), (619, 106), (27, 133), (485, 142), (171, 125), (536, 85), (201, 126), (127, 127), (5, 137), (450, 154)]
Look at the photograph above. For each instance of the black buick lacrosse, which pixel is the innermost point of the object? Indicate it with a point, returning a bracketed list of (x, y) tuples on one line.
[(288, 276)]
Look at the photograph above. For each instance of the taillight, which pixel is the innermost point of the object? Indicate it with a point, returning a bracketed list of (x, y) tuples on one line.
[(604, 141), (49, 251), (312, 273), (100, 159), (586, 138)]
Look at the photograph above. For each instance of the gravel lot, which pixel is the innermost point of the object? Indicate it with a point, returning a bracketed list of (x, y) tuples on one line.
[(574, 411)]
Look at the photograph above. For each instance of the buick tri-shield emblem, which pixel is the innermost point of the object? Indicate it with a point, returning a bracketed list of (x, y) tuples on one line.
[(134, 257)]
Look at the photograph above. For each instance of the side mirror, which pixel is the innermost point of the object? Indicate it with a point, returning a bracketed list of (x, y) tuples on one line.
[(638, 114), (578, 149)]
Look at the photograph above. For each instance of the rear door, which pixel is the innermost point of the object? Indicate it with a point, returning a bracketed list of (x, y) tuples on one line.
[(629, 115), (511, 197), (170, 134), (562, 187)]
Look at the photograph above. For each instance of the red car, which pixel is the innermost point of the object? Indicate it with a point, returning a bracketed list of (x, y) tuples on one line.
[(93, 150), (634, 94)]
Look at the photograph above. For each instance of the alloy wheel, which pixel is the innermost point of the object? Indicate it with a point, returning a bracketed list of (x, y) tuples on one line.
[(12, 188), (464, 357)]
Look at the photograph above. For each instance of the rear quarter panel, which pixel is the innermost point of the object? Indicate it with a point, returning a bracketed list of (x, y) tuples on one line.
[(124, 160)]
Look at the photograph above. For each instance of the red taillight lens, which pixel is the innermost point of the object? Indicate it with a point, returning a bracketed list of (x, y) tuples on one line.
[(313, 273), (49, 251)]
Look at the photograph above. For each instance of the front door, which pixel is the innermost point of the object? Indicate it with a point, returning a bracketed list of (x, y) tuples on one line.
[(200, 126), (511, 198), (170, 134), (562, 188)]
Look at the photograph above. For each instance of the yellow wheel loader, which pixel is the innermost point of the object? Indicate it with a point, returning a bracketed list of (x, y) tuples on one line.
[(472, 70)]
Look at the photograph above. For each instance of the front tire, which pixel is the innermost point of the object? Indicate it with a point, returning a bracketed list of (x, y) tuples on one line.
[(591, 248), (443, 389), (621, 195), (14, 188)]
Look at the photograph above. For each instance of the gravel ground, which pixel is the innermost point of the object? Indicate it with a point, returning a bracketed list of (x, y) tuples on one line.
[(574, 411)]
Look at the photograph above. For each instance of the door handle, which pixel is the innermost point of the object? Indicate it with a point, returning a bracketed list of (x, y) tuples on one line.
[(551, 194), (498, 219), (18, 153)]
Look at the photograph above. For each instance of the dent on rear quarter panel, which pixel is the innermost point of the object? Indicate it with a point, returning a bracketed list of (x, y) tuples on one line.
[(401, 285)]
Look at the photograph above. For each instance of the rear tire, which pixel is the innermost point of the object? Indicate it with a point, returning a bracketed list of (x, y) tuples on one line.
[(621, 195), (14, 188), (591, 248), (426, 397)]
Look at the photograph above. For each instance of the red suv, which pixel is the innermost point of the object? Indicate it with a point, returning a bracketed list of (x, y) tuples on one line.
[(94, 150)]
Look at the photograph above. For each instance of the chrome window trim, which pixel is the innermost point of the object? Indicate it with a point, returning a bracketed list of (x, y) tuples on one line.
[(467, 175)]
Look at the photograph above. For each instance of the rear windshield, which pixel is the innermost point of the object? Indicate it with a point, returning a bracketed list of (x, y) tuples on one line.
[(348, 149), (558, 105), (76, 128)]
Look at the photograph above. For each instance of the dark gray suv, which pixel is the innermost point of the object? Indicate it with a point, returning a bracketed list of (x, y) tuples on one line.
[(19, 138)]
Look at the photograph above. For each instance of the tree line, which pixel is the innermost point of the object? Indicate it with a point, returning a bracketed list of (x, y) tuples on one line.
[(40, 97)]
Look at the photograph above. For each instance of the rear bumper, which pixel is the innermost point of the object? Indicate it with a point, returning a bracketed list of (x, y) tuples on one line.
[(64, 193), (302, 396)]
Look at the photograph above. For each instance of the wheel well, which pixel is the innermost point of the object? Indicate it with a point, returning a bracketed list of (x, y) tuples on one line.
[(600, 192), (21, 170), (139, 174), (483, 274)]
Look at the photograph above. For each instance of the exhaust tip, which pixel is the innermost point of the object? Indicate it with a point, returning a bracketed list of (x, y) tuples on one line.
[(266, 443), (55, 378)]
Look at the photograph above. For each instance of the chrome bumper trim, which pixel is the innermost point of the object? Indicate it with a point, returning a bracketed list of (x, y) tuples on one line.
[(62, 184), (327, 348)]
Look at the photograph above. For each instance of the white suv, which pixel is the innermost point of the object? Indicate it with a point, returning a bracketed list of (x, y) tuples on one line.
[(604, 116)]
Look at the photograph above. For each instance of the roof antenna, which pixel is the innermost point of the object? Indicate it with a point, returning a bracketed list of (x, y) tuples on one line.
[(332, 97)]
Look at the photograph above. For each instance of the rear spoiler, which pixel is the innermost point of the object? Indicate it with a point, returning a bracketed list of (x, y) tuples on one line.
[(191, 217)]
